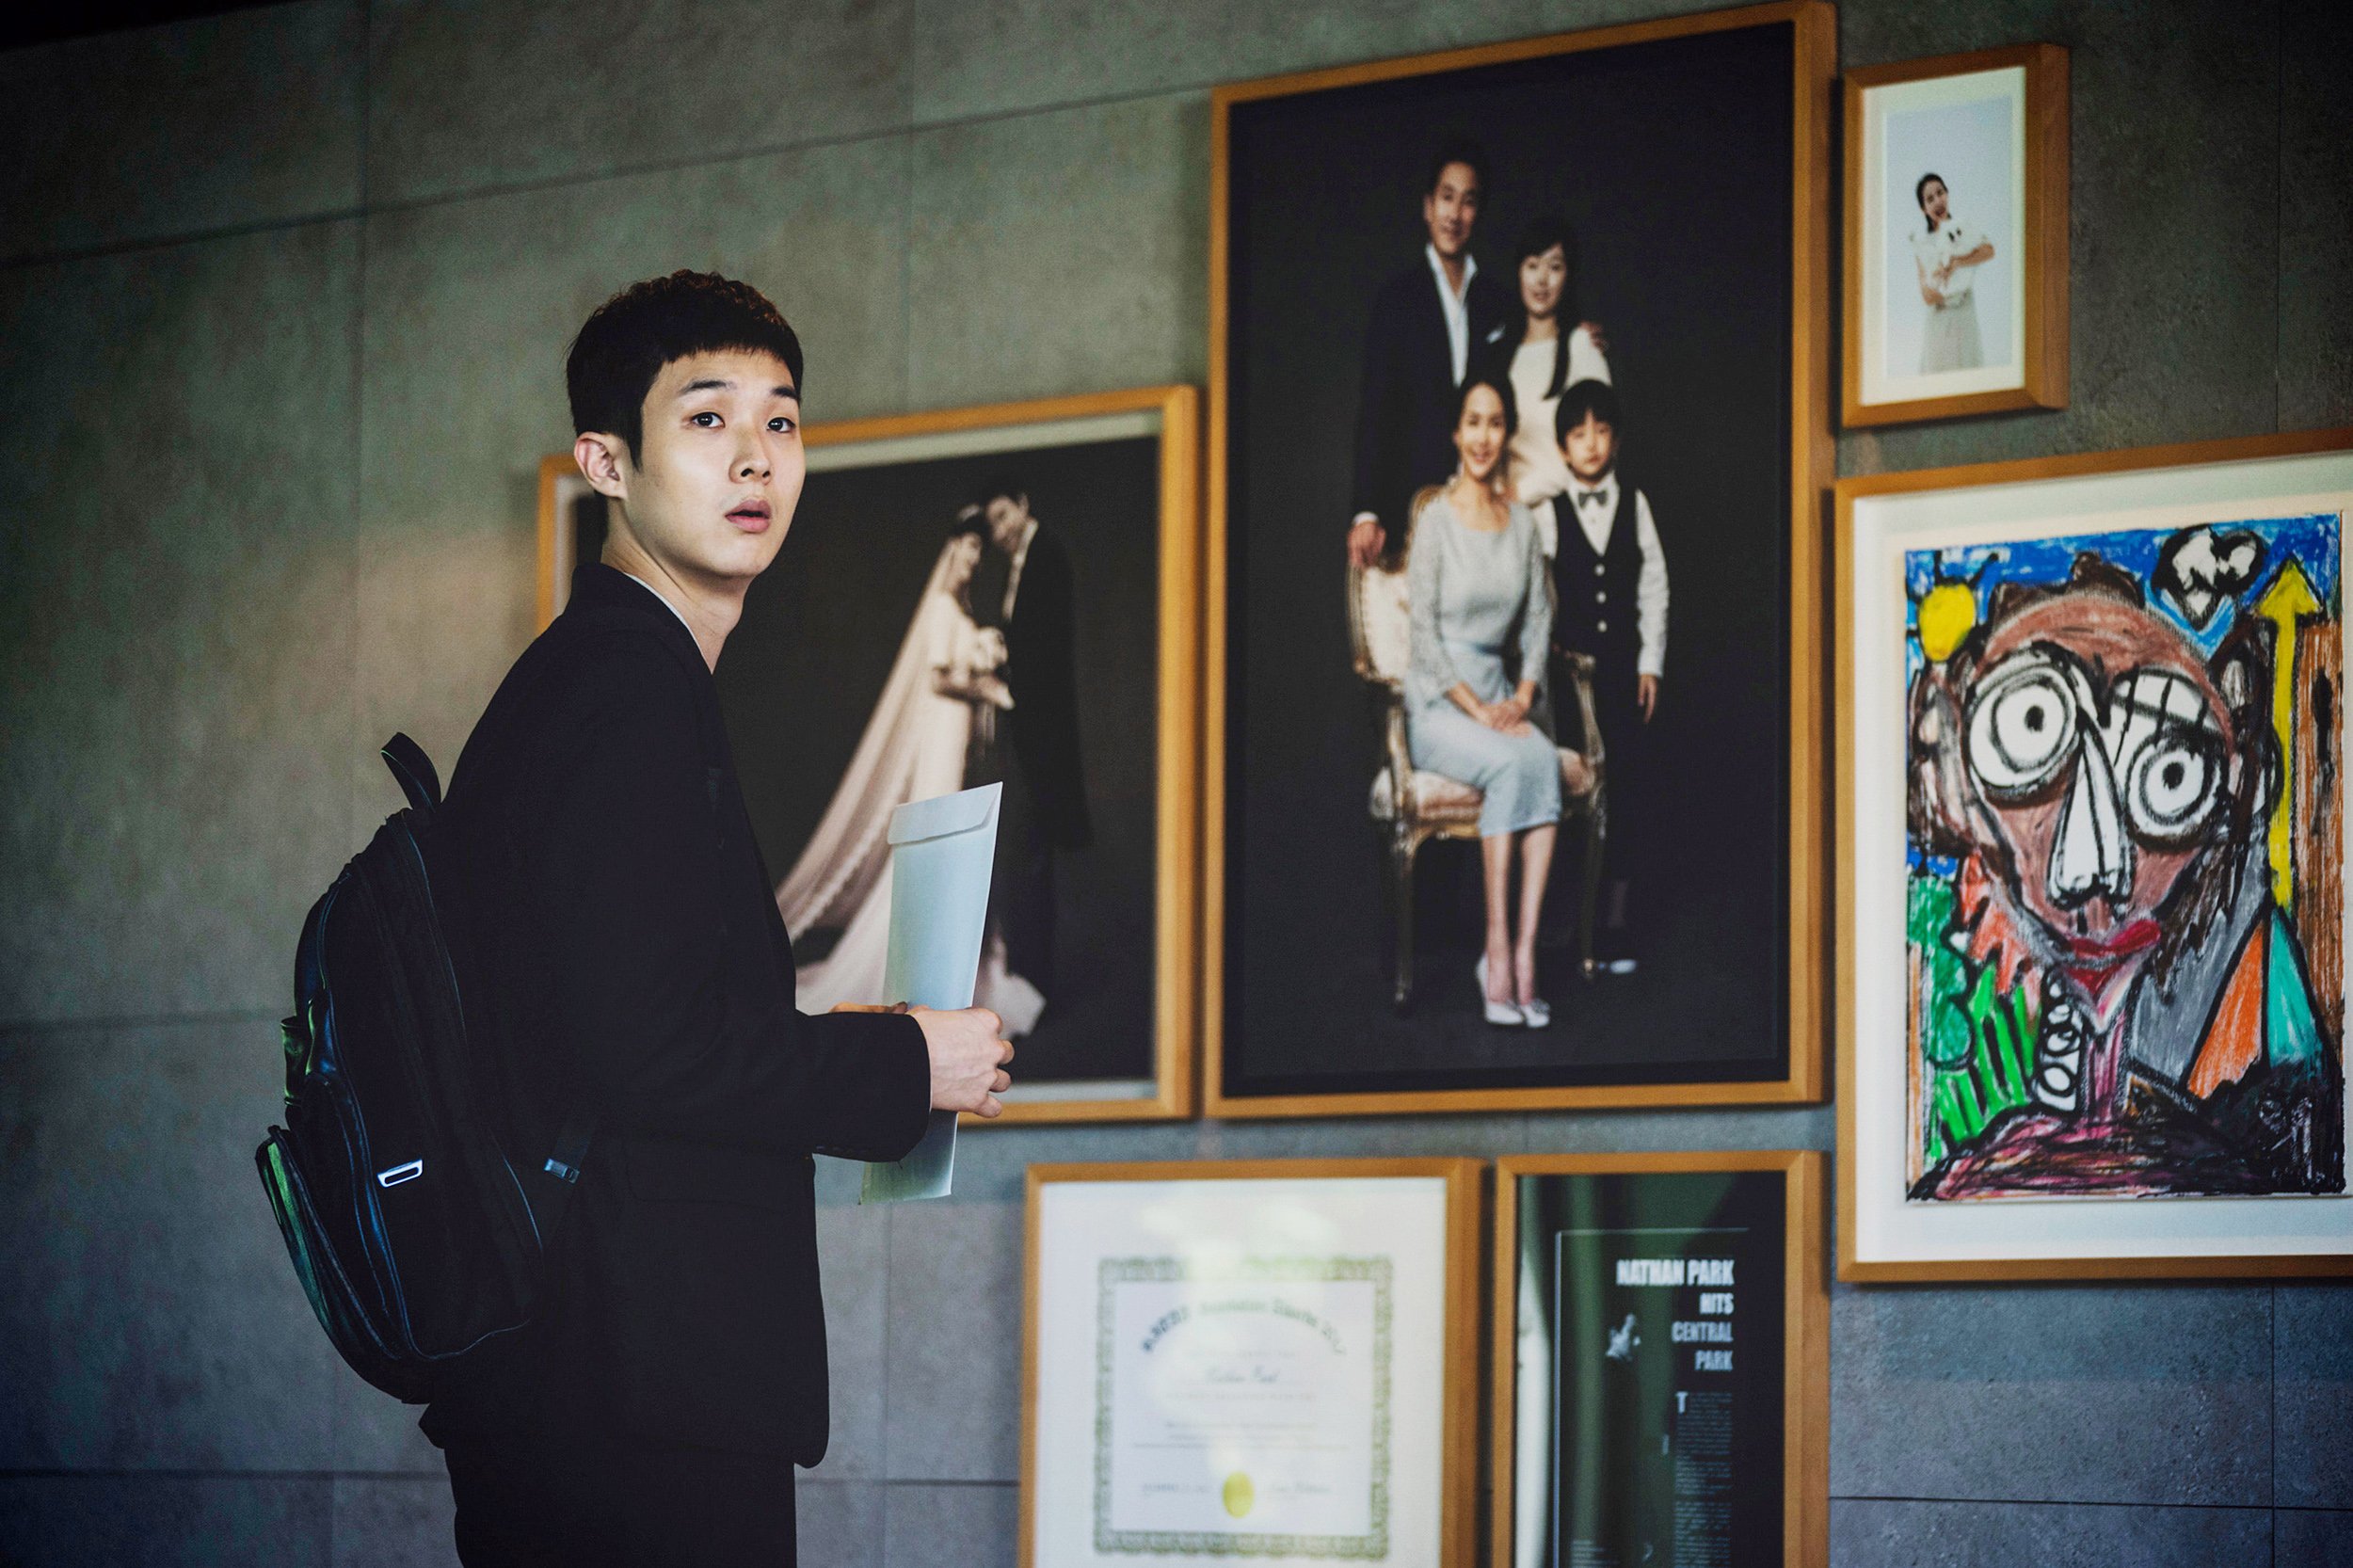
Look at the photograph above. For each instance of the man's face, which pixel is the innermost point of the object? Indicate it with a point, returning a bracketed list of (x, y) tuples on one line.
[(1591, 446), (712, 493), (1935, 202), (1451, 209), (1007, 517)]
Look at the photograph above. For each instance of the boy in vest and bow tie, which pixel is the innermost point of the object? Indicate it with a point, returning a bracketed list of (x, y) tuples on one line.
[(1609, 578)]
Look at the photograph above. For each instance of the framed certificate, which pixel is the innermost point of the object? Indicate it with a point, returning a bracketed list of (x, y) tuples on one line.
[(1002, 594), (1266, 1360), (2091, 828), (1661, 1361)]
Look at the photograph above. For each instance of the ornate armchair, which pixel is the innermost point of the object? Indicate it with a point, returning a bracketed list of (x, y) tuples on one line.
[(1414, 806)]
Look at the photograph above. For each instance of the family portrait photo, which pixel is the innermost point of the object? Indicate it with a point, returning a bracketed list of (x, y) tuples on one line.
[(1509, 442), (969, 599), (1956, 201)]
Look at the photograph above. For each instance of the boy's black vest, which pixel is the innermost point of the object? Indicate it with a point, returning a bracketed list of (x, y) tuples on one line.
[(1596, 610)]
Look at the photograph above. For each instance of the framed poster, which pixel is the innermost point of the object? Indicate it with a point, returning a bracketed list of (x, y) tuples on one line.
[(1543, 236), (1661, 1361), (1270, 1360), (1955, 235), (980, 594), (2092, 827)]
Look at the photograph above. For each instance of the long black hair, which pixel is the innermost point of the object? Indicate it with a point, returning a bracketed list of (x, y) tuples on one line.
[(1541, 233), (1920, 195)]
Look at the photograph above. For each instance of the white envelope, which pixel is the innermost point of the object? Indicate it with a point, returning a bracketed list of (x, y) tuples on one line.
[(942, 853)]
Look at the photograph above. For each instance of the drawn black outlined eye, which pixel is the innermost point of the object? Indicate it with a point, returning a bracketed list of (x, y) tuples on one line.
[(2022, 727), (2170, 789)]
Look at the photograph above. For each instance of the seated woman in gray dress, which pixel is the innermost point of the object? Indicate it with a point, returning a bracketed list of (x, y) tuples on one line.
[(1481, 624)]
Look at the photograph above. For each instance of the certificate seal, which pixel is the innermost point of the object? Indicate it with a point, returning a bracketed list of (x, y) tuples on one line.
[(1239, 1495)]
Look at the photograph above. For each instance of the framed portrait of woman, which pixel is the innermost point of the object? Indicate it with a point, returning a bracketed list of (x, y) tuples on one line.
[(1000, 594), (1519, 411), (1271, 1361), (2092, 835), (1955, 235), (1661, 1388)]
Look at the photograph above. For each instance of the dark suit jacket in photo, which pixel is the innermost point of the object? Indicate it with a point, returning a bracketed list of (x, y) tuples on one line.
[(1405, 418), (627, 930), (1041, 671)]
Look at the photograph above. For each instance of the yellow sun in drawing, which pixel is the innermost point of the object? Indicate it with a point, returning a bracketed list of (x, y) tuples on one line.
[(1240, 1494), (1948, 613)]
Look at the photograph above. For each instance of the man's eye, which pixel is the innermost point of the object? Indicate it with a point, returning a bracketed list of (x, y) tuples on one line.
[(781, 424), (706, 414)]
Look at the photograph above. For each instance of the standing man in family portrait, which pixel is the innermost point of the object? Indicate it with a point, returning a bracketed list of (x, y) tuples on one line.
[(1430, 323)]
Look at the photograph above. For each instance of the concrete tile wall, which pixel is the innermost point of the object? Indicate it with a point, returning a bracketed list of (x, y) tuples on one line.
[(284, 296)]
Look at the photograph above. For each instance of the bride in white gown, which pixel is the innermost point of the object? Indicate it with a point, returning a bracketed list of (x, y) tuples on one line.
[(937, 710)]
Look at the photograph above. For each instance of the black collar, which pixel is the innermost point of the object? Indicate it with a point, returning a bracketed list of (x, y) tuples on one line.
[(596, 585)]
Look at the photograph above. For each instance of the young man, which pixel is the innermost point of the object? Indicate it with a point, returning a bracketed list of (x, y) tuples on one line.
[(1045, 795), (1430, 324), (1609, 582), (623, 924)]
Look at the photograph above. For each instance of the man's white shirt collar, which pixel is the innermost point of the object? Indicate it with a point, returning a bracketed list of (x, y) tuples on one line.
[(1020, 556), (1455, 305)]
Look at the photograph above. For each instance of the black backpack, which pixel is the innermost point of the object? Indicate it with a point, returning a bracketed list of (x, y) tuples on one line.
[(420, 1242)]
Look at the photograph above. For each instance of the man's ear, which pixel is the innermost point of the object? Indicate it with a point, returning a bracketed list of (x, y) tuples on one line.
[(602, 463)]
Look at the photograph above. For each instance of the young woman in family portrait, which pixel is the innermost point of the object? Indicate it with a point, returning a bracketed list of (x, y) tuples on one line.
[(1947, 254), (1543, 360)]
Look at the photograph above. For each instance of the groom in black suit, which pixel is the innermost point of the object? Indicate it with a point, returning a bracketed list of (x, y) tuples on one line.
[(1432, 324), (1044, 805)]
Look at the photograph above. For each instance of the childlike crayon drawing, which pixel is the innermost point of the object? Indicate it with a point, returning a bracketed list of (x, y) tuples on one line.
[(2126, 915)]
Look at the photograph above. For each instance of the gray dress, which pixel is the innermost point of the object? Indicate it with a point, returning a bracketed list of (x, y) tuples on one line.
[(1482, 609)]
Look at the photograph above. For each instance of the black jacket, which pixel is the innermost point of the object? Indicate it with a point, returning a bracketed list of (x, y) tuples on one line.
[(1041, 672), (1406, 418), (627, 930)]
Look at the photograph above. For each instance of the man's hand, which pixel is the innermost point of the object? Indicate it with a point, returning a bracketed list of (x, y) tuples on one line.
[(1593, 331), (967, 1058), (1366, 537), (1645, 695)]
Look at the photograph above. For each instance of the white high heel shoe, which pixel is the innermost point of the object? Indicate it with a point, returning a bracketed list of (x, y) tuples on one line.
[(1538, 1013), (1503, 1015)]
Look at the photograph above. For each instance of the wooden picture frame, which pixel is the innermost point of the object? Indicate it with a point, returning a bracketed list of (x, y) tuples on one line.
[(2026, 87), (1171, 414), (1797, 1013), (1804, 1309), (1973, 519), (1455, 1283)]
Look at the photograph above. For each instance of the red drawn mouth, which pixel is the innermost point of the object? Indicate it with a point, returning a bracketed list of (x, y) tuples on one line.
[(2099, 954)]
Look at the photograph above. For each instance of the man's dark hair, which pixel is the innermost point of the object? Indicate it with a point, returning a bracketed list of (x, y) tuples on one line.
[(1589, 396), (1920, 195), (1003, 485), (628, 339), (1457, 150)]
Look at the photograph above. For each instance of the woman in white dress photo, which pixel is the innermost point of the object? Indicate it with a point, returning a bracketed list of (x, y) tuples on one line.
[(1948, 255), (1544, 359), (935, 721)]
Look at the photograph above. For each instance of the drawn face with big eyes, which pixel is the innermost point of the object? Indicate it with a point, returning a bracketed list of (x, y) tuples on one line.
[(2102, 755)]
